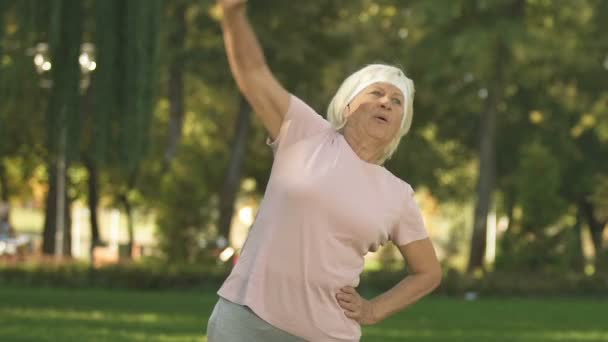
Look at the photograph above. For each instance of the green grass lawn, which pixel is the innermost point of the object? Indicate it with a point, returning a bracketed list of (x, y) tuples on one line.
[(29, 314)]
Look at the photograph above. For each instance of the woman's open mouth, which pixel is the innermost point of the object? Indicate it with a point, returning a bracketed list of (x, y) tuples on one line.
[(381, 119)]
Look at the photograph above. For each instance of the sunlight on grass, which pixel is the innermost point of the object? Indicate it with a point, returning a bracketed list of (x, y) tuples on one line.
[(46, 314), (85, 315), (93, 325), (569, 335)]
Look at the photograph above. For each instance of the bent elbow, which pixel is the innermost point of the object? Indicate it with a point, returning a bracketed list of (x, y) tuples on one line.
[(435, 278)]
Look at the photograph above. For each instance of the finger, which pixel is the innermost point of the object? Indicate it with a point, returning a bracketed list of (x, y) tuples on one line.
[(348, 306), (346, 297), (352, 315), (349, 289)]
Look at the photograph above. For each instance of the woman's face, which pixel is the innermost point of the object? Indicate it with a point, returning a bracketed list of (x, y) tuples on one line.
[(376, 111)]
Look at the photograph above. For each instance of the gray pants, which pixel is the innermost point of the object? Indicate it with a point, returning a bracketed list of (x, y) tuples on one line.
[(230, 322)]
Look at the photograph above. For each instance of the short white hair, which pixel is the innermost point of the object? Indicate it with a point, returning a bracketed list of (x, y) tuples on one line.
[(362, 78)]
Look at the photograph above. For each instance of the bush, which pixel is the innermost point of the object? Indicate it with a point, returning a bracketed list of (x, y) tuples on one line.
[(155, 276), (142, 276), (499, 283)]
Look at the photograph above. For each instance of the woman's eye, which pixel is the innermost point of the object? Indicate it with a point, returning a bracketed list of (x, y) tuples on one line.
[(376, 92), (397, 101)]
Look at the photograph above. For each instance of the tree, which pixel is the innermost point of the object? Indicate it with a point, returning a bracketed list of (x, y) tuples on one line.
[(63, 114), (125, 87), (21, 99)]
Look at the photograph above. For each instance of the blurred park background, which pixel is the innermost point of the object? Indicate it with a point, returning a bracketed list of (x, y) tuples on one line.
[(131, 169)]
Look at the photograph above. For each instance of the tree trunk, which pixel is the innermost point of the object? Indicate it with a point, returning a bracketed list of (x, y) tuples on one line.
[(128, 206), (5, 219), (63, 111), (487, 163), (509, 206), (578, 261), (67, 231), (50, 217), (4, 190), (485, 188), (130, 229), (3, 183), (596, 228), (233, 175), (176, 84), (93, 202)]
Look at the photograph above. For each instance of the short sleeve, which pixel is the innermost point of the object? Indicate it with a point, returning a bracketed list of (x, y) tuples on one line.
[(300, 121), (410, 226)]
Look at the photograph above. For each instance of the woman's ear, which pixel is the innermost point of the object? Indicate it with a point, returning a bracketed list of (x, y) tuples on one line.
[(347, 111)]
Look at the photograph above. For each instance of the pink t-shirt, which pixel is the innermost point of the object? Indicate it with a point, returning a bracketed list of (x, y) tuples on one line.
[(323, 210)]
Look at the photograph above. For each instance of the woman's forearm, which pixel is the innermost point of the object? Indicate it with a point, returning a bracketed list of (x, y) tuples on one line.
[(242, 46), (268, 99), (405, 293)]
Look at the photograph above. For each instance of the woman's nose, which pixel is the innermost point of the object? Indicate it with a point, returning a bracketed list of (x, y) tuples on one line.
[(385, 102)]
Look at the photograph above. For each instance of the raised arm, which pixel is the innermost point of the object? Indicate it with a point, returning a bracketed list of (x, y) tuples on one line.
[(256, 82)]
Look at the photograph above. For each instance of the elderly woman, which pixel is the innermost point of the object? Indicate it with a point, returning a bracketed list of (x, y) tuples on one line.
[(328, 202)]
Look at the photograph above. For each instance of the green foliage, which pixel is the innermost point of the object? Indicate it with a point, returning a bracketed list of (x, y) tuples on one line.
[(63, 113), (156, 274), (600, 196), (22, 102), (185, 195), (538, 188), (144, 276), (513, 282), (551, 103), (125, 82), (553, 254), (188, 207), (107, 81)]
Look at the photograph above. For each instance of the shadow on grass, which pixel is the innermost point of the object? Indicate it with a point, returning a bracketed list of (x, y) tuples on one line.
[(29, 314), (383, 334), (36, 324)]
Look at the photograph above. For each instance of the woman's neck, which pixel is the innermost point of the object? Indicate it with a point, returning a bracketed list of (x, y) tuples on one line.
[(368, 150)]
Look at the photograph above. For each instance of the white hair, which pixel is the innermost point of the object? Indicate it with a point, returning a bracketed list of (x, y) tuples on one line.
[(364, 77)]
